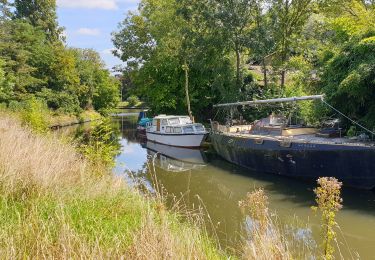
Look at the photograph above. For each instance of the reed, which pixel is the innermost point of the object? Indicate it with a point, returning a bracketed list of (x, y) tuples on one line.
[(267, 237), (55, 204)]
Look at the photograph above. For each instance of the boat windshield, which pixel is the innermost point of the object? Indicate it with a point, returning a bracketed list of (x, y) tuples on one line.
[(188, 129), (174, 121), (185, 120), (199, 127)]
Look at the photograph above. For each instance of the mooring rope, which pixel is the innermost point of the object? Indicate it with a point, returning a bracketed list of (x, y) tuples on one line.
[(351, 120)]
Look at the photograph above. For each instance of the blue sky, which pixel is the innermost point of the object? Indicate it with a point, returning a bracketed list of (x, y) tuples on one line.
[(89, 23)]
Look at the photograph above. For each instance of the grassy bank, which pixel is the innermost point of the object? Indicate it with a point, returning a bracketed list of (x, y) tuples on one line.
[(62, 120), (35, 112), (54, 204), (128, 105)]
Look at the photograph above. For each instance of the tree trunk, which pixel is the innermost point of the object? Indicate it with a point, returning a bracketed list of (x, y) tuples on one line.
[(238, 67), (282, 78), (265, 80), (283, 60), (186, 69)]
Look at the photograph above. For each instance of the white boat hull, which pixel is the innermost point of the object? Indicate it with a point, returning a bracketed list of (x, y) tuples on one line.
[(194, 156), (183, 140)]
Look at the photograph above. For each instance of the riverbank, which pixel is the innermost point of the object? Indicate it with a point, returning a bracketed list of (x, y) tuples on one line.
[(63, 120), (128, 105), (55, 204), (35, 113)]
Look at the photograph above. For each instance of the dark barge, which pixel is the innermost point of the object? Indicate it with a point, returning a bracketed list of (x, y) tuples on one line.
[(270, 146)]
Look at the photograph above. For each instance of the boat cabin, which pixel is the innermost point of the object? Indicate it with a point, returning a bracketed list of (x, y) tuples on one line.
[(175, 125), (274, 125)]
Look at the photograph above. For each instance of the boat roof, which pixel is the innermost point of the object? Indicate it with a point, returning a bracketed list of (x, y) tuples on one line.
[(169, 116)]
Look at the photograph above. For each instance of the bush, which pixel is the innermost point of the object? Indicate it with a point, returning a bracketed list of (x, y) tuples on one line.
[(60, 101), (35, 115), (100, 145), (106, 96), (16, 106), (133, 100)]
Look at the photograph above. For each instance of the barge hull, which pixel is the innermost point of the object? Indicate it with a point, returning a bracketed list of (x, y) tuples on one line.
[(353, 165)]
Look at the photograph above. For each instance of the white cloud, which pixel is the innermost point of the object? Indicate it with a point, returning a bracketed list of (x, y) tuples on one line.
[(90, 4), (88, 31)]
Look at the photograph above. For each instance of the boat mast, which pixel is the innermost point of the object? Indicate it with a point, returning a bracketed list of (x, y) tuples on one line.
[(185, 67), (269, 101)]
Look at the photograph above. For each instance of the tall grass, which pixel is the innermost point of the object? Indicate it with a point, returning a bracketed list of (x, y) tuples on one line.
[(54, 204), (267, 237)]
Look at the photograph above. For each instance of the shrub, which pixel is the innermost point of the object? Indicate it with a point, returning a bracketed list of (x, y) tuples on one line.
[(133, 100), (16, 106), (352, 131), (35, 114), (328, 198), (60, 101), (100, 144)]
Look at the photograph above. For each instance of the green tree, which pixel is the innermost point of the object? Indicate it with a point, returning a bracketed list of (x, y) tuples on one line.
[(163, 66), (19, 45), (235, 18), (349, 78), (288, 20), (40, 13), (262, 43), (6, 85), (88, 65), (107, 93), (97, 89)]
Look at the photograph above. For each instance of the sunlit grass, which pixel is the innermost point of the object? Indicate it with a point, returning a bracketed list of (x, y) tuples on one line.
[(54, 204)]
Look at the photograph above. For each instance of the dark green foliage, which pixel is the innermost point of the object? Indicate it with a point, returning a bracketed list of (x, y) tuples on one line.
[(60, 101), (40, 14), (156, 59), (35, 63), (6, 86), (349, 79), (297, 47)]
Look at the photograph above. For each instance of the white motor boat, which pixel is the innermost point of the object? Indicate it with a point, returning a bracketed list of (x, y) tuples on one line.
[(176, 131)]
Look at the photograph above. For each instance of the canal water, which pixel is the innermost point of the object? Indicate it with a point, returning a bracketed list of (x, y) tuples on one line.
[(202, 178)]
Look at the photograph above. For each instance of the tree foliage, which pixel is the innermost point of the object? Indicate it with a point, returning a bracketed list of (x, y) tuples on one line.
[(169, 39), (34, 62), (41, 14), (244, 49)]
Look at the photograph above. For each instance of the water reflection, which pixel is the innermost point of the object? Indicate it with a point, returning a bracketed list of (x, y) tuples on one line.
[(175, 159), (201, 178)]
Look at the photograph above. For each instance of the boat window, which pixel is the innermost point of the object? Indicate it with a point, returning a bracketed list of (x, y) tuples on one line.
[(164, 122), (174, 121), (177, 130), (185, 120), (154, 122), (188, 129), (199, 128), (168, 129)]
